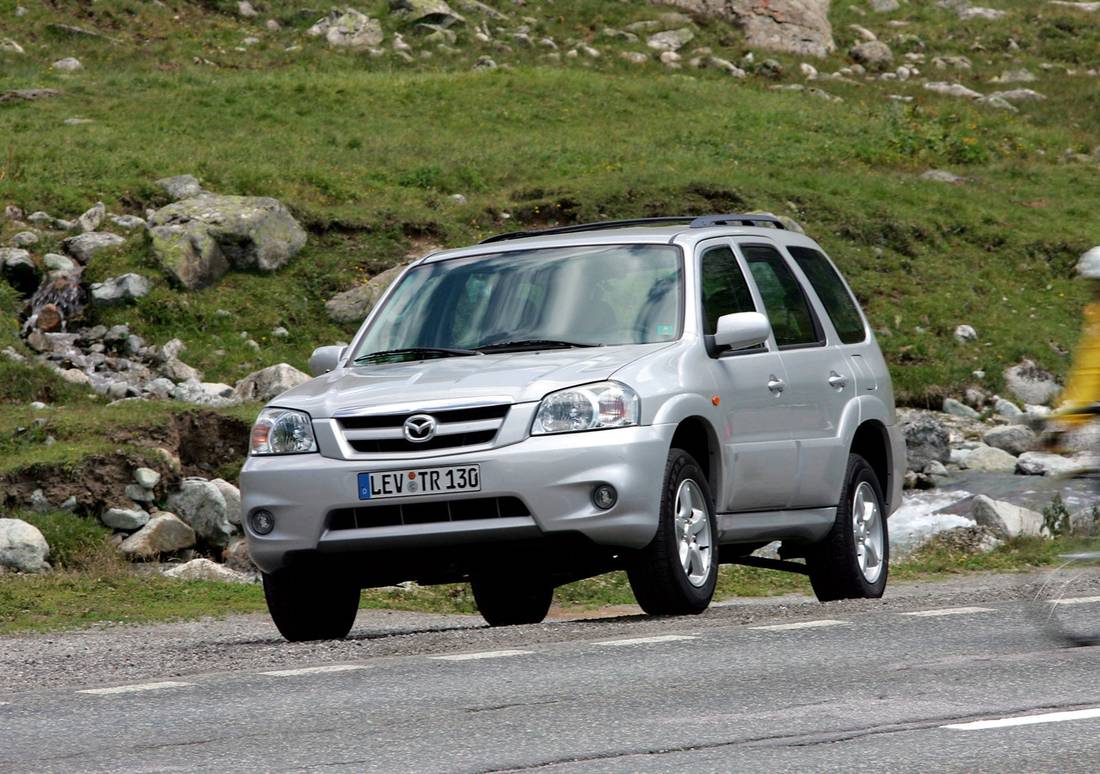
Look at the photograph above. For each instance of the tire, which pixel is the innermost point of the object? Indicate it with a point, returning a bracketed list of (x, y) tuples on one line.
[(310, 606), (677, 572), (853, 561), (511, 601)]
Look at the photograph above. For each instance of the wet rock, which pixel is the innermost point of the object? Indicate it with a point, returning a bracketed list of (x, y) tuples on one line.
[(1034, 463), (201, 504), (49, 318), (352, 306), (126, 519), (1014, 439), (125, 287), (18, 269), (269, 382), (1030, 383), (165, 533), (348, 28), (22, 547), (85, 246), (926, 440), (986, 459)]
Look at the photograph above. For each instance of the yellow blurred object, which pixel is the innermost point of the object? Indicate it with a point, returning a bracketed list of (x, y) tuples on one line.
[(1083, 384)]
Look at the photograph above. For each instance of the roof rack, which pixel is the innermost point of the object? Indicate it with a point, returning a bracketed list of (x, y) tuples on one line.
[(693, 221)]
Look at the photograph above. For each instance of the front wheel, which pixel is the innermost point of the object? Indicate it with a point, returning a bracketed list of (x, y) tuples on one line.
[(310, 606), (677, 572), (853, 560)]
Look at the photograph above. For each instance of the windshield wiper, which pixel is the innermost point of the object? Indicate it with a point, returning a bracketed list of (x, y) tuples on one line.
[(417, 353), (520, 344)]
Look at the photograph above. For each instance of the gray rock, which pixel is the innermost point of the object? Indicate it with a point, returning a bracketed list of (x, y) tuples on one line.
[(998, 103), (39, 503), (58, 262), (160, 387), (237, 557), (22, 547), (92, 218), (1022, 75), (201, 505), (958, 409), (1018, 95), (1046, 464), (125, 287), (1014, 439), (67, 65), (1005, 519), (942, 176), (986, 459), (205, 570), (348, 28), (671, 40), (1030, 383), (965, 333), (85, 246), (426, 12), (872, 54), (952, 89), (147, 478), (981, 13), (25, 239), (197, 240), (1007, 409), (128, 519), (884, 6), (798, 27), (634, 57), (352, 306), (127, 222), (269, 382), (138, 494), (165, 533), (180, 187), (926, 440), (245, 10), (178, 371), (19, 269), (232, 497), (10, 46)]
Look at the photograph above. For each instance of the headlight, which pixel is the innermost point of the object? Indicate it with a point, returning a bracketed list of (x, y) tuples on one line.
[(283, 431), (589, 407)]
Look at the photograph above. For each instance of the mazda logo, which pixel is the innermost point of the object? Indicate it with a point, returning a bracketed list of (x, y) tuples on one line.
[(419, 428)]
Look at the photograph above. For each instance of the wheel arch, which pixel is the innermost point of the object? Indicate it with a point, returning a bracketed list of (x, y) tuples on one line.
[(872, 442), (695, 435)]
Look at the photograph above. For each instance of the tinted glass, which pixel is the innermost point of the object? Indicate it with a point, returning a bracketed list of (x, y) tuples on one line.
[(613, 294), (725, 290), (836, 299), (785, 303)]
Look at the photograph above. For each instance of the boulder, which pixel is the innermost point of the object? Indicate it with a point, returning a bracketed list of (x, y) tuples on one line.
[(146, 478), (352, 306), (127, 222), (670, 40), (196, 240), (22, 547), (798, 27), (926, 439), (986, 459), (1007, 409), (1030, 383), (1014, 439), (125, 287), (85, 246), (180, 187), (232, 497), (127, 519), (426, 12), (206, 570), (237, 557), (872, 54), (25, 239), (18, 269), (1046, 464), (165, 533), (348, 28), (268, 382), (957, 409), (92, 218), (58, 262), (201, 505), (1005, 520)]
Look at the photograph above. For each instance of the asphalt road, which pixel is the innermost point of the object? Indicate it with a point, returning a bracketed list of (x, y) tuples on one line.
[(786, 685)]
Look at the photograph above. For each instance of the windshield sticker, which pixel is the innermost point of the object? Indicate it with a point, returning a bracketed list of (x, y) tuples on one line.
[(664, 329)]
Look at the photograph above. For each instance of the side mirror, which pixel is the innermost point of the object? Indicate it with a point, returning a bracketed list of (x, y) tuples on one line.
[(324, 359), (742, 330)]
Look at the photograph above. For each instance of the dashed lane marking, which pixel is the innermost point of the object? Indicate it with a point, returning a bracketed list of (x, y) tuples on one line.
[(483, 654), (136, 688), (1026, 720), (1074, 600), (799, 625), (649, 640), (949, 611), (313, 670)]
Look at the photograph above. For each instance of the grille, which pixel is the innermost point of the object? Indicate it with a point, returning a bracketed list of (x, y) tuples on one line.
[(397, 515), (455, 428)]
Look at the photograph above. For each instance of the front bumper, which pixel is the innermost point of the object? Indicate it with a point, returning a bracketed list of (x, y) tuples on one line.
[(553, 475)]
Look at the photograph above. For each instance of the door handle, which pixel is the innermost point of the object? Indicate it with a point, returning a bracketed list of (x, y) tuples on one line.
[(837, 381), (775, 384)]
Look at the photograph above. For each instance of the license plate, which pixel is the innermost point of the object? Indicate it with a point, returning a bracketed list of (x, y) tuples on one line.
[(419, 481)]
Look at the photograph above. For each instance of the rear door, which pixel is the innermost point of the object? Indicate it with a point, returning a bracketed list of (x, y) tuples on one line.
[(759, 453)]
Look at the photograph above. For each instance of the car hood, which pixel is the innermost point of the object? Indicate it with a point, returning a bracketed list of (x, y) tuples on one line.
[(515, 377)]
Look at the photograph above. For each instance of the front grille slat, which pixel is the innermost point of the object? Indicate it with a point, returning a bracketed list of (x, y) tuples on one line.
[(400, 514), (383, 434)]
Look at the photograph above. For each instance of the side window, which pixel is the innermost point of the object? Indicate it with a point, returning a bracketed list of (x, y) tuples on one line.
[(836, 299), (787, 308), (724, 288)]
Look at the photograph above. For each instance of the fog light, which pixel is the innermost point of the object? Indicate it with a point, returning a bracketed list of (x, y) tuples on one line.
[(262, 522), (604, 496)]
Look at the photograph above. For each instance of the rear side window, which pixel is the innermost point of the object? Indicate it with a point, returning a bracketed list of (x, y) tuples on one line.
[(788, 309), (836, 299), (725, 290)]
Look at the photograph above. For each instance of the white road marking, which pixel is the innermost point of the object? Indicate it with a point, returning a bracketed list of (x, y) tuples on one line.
[(799, 625), (1074, 600), (136, 688), (648, 640), (1027, 720), (483, 654), (949, 611), (313, 670)]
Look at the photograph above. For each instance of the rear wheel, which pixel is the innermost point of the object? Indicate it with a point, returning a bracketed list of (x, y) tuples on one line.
[(310, 606), (510, 601), (677, 572), (853, 560)]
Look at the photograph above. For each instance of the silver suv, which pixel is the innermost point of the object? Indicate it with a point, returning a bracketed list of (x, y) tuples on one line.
[(658, 396)]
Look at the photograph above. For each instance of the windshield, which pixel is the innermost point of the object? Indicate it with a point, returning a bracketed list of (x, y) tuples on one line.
[(532, 299)]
